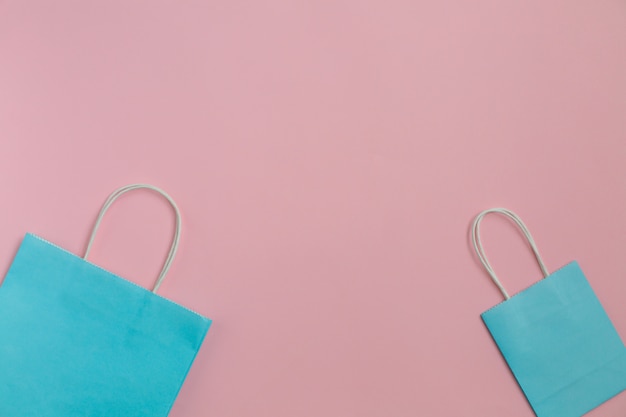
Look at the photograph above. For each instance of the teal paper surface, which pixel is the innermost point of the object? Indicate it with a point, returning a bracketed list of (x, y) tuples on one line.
[(76, 340), (560, 344)]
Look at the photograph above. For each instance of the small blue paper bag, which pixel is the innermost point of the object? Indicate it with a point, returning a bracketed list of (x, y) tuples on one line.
[(76, 340), (556, 338)]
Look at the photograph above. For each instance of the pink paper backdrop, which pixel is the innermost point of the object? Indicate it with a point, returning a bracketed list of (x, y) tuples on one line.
[(328, 157)]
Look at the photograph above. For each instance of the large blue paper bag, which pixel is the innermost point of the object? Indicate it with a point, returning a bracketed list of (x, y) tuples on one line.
[(556, 338), (77, 340)]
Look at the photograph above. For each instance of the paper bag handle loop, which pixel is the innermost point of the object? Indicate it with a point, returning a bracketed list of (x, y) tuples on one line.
[(480, 251), (114, 196)]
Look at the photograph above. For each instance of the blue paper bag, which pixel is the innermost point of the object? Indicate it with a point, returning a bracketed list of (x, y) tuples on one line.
[(556, 338), (77, 340)]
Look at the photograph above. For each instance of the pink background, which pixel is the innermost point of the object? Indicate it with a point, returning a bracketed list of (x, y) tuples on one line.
[(328, 157)]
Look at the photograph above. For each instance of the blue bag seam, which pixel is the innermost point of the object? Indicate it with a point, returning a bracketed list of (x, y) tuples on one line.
[(182, 381)]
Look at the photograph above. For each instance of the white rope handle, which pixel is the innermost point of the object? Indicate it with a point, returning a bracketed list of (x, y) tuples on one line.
[(478, 246), (114, 196)]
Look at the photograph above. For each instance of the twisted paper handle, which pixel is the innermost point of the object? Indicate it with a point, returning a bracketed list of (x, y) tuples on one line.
[(480, 251), (114, 196)]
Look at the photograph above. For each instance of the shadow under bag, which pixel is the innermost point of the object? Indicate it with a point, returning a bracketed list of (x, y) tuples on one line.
[(556, 337), (77, 340)]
